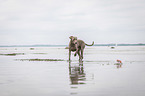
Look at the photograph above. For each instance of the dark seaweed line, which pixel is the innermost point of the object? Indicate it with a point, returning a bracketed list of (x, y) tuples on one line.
[(13, 54), (39, 60), (55, 60)]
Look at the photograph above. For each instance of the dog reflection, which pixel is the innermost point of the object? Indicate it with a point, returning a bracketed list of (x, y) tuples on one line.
[(76, 73)]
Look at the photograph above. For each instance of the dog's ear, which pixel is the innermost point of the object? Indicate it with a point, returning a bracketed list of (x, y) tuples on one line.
[(70, 37)]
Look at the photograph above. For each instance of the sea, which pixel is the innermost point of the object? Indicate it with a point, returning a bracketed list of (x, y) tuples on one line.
[(46, 71)]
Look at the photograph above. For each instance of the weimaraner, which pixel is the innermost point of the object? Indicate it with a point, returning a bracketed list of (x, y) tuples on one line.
[(77, 46)]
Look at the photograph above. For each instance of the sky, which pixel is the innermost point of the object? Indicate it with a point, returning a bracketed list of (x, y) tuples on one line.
[(27, 22)]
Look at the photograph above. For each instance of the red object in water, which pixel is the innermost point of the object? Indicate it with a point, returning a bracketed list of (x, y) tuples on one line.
[(119, 61)]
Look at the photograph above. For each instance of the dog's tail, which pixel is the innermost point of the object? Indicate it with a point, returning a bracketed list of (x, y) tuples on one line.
[(91, 44)]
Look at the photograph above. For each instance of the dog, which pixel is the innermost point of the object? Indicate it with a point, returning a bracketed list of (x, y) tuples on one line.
[(77, 46)]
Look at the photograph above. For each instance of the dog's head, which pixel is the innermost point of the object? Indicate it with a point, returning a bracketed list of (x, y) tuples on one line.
[(73, 39)]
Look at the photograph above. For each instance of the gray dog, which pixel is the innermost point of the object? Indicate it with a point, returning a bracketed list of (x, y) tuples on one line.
[(77, 46)]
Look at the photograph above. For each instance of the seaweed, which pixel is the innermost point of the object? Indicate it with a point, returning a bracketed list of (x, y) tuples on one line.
[(66, 48), (31, 48), (40, 59), (12, 54)]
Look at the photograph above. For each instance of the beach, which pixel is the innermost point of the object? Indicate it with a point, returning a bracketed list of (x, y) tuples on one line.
[(46, 71)]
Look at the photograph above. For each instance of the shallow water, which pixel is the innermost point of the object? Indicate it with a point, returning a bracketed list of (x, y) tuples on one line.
[(97, 75)]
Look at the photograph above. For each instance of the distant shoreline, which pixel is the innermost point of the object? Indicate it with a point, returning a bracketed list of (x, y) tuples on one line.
[(140, 44)]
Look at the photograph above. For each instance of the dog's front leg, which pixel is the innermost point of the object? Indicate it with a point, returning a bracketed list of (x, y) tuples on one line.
[(76, 53), (69, 54), (77, 49)]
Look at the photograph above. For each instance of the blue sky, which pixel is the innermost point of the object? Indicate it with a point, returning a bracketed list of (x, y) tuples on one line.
[(53, 21)]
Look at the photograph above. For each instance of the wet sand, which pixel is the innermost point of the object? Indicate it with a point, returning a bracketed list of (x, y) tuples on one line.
[(45, 71)]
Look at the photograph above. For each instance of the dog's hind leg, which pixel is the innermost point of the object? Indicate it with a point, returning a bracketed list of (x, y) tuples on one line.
[(82, 51), (80, 57)]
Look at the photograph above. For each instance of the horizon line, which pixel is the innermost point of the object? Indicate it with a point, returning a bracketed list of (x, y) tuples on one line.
[(53, 45)]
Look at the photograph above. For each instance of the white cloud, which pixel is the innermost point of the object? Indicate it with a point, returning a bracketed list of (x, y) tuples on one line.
[(44, 20)]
